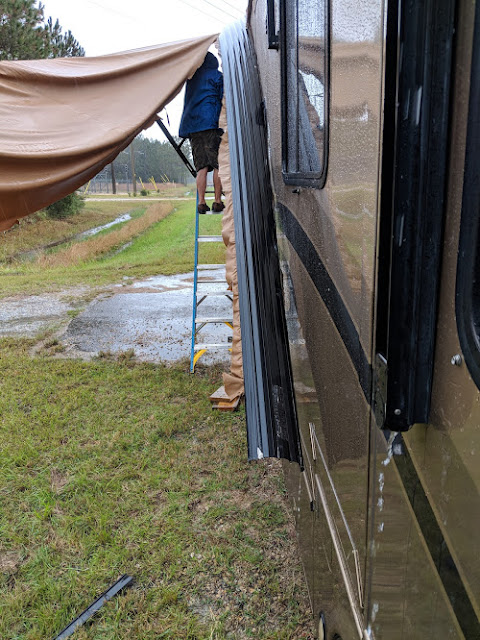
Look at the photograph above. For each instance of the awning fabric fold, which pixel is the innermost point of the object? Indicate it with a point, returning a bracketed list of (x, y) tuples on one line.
[(63, 120)]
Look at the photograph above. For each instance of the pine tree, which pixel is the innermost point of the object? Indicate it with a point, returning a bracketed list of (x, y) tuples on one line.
[(24, 34), (58, 44), (21, 30)]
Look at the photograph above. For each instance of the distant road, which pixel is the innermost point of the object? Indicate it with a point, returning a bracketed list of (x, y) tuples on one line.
[(140, 199)]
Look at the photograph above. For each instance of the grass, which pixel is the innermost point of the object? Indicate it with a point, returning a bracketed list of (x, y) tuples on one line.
[(106, 240), (38, 230), (112, 467), (165, 247)]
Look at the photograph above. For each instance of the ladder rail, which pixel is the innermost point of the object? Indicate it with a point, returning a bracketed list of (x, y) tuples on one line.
[(195, 282), (199, 296)]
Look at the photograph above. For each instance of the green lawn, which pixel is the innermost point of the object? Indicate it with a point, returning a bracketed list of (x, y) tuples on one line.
[(112, 467), (165, 248)]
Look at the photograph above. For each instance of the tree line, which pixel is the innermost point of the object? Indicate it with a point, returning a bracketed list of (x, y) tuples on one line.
[(154, 163)]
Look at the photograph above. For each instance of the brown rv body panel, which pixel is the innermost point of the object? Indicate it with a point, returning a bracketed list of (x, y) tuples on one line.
[(368, 565), (446, 452)]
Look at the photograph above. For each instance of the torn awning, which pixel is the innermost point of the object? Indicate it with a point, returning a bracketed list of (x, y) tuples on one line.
[(63, 120)]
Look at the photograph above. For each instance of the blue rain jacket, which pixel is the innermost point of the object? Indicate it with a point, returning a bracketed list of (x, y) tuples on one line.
[(203, 98)]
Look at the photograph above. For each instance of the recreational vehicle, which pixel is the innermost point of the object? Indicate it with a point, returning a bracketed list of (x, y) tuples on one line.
[(354, 133)]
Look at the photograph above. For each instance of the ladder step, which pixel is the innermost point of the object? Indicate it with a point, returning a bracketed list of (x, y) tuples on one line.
[(227, 292), (222, 345), (204, 267), (207, 320), (210, 239)]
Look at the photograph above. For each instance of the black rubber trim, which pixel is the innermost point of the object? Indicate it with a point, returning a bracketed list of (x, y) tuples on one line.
[(330, 295), (468, 289), (425, 54), (273, 37)]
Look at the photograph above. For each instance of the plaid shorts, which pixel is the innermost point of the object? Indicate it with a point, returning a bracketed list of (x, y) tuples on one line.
[(205, 146)]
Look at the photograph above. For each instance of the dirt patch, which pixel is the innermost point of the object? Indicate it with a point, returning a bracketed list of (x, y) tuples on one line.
[(10, 561), (58, 480)]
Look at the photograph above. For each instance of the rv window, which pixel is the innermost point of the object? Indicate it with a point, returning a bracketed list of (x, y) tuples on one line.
[(305, 91)]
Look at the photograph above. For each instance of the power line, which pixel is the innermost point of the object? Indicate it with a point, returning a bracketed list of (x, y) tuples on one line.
[(112, 10), (227, 13), (223, 22), (232, 6)]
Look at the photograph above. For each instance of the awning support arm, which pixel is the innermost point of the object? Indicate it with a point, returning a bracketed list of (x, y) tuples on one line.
[(176, 146)]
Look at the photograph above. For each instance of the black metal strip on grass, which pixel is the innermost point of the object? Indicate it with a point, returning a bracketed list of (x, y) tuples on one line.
[(121, 583)]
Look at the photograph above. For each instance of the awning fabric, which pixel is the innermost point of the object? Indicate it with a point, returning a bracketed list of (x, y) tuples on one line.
[(63, 120)]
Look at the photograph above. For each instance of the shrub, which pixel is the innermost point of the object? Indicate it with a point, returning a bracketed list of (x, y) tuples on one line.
[(144, 192), (66, 207)]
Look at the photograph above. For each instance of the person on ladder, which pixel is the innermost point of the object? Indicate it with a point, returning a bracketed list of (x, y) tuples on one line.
[(199, 123)]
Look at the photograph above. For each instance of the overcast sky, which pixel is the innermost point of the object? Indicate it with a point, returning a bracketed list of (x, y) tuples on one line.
[(110, 26)]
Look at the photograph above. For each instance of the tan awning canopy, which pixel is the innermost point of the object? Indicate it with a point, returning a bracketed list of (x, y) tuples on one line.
[(63, 120)]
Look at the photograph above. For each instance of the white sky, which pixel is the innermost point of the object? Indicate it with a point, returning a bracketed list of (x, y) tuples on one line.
[(110, 26)]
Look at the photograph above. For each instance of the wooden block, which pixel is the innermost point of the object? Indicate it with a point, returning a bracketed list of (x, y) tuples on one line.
[(220, 401)]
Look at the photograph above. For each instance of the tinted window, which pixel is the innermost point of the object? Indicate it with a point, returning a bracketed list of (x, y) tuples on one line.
[(305, 54)]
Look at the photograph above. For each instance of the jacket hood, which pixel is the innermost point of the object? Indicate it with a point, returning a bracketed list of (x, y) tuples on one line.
[(210, 61)]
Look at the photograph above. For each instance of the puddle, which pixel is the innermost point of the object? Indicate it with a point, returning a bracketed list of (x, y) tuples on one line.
[(153, 317), (27, 316), (95, 230)]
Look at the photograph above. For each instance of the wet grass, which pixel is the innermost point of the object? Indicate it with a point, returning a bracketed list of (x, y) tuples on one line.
[(94, 247), (112, 467), (39, 230), (166, 247)]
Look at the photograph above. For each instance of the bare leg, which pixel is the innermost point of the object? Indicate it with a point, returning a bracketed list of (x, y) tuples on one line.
[(217, 185), (202, 184)]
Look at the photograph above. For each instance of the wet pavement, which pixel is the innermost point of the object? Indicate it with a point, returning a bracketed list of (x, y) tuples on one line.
[(153, 317)]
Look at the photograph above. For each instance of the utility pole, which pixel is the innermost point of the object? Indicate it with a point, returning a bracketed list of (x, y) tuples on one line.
[(132, 164), (114, 184)]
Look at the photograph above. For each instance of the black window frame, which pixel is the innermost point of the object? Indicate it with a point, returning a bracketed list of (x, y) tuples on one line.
[(312, 179), (273, 34), (412, 223)]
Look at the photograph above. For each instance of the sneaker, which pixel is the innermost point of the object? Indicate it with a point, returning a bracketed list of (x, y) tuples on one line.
[(203, 208), (218, 207)]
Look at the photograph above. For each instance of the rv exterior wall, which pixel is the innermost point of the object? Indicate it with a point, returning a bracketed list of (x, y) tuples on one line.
[(366, 559)]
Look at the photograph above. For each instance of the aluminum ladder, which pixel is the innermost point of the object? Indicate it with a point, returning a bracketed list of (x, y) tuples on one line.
[(201, 293)]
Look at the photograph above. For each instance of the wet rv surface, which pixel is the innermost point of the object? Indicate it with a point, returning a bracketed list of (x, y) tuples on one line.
[(152, 316)]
